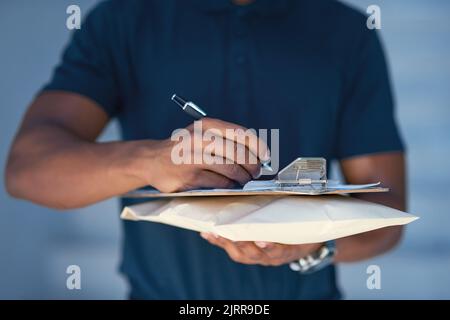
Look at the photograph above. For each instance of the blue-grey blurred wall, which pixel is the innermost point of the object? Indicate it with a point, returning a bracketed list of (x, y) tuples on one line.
[(37, 244)]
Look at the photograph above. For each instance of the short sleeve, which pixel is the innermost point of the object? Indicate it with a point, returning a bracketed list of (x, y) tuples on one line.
[(366, 119), (87, 67)]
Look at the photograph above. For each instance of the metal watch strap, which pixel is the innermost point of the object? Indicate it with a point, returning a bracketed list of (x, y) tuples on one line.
[(316, 261)]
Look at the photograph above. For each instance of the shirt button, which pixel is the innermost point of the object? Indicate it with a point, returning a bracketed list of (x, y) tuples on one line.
[(240, 60)]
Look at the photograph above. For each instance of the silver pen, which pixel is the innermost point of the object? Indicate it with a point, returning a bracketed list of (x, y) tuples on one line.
[(195, 111)]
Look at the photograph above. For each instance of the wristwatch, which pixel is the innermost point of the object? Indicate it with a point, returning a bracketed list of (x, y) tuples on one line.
[(317, 260)]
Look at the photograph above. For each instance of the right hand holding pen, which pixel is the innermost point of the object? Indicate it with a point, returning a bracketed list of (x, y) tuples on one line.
[(158, 168)]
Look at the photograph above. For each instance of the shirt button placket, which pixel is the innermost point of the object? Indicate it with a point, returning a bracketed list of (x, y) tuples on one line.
[(238, 69)]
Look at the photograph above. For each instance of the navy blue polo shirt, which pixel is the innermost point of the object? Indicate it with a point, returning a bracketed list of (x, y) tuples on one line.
[(309, 68)]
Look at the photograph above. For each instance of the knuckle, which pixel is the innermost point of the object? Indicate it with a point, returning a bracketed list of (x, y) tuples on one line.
[(274, 255), (243, 132), (208, 123), (255, 255), (233, 171), (250, 253), (240, 245), (275, 252)]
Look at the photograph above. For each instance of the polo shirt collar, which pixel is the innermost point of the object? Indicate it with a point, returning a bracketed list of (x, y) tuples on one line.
[(261, 7)]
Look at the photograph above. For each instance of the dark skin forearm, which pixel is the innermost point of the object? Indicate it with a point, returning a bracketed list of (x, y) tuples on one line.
[(55, 161), (68, 172), (369, 244)]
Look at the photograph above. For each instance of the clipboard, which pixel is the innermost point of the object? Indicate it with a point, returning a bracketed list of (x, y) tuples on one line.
[(303, 176)]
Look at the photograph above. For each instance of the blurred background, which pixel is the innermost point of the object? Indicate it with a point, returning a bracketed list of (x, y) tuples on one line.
[(37, 244)]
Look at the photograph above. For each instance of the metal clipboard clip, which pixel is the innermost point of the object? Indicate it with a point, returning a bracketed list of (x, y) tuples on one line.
[(304, 172)]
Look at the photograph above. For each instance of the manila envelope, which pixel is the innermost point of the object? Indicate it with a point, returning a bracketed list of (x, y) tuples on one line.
[(281, 219)]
